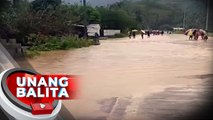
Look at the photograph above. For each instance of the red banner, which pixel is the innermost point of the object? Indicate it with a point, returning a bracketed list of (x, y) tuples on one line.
[(41, 88)]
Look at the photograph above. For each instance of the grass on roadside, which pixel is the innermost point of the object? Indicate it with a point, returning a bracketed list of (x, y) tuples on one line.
[(119, 35), (32, 53), (210, 34), (48, 43)]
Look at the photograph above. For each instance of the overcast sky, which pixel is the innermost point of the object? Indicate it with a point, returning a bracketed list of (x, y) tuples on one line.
[(93, 2)]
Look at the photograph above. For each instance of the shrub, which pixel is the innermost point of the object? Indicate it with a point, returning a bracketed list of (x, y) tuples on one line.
[(210, 34), (47, 43), (178, 32), (31, 53), (120, 35)]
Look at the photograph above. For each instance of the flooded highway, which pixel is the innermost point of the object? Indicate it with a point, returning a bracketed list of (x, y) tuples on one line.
[(119, 76)]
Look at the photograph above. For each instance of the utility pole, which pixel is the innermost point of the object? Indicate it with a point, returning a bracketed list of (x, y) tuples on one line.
[(184, 18), (84, 3), (207, 16), (85, 19)]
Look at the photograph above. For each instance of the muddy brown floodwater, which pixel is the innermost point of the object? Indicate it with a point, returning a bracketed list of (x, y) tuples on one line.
[(120, 75)]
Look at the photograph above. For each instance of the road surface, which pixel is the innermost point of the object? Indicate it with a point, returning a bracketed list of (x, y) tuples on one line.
[(122, 79)]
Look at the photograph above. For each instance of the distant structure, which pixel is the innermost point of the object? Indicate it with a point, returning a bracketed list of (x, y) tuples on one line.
[(178, 28)]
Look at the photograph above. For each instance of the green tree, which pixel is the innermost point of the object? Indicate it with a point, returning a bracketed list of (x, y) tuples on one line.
[(88, 14), (93, 15), (116, 19), (57, 21), (162, 13), (4, 4)]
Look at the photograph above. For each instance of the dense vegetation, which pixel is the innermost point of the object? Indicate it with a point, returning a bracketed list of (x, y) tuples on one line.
[(51, 17), (154, 14), (47, 43), (55, 20), (46, 24)]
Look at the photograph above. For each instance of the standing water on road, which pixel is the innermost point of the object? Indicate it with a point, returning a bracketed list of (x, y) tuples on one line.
[(128, 70)]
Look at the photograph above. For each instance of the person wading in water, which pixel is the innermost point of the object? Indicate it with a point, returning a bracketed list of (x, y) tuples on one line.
[(142, 34), (134, 34), (190, 34), (130, 34), (148, 34)]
